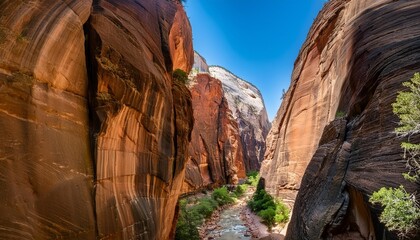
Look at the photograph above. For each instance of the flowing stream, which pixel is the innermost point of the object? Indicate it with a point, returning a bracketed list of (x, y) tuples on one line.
[(230, 225)]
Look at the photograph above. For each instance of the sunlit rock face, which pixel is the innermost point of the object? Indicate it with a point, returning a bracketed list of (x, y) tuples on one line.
[(215, 149), (354, 60), (247, 106), (230, 127), (94, 139), (46, 168)]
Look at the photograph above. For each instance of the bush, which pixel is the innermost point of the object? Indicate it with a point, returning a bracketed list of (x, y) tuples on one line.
[(268, 215), (253, 178), (340, 114), (222, 196), (204, 208), (180, 75), (268, 209), (186, 227), (240, 190), (400, 211)]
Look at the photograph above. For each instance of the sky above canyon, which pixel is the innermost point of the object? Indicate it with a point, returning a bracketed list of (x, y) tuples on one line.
[(256, 40)]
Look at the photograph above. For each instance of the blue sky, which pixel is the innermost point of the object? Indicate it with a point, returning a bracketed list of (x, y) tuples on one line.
[(257, 40)]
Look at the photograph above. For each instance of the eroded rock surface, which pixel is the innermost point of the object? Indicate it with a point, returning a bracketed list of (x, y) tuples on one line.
[(46, 168), (247, 106), (215, 150), (94, 141), (354, 60)]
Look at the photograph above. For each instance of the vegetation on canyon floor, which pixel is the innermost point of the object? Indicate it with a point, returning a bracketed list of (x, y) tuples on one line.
[(193, 211), (401, 210), (272, 211)]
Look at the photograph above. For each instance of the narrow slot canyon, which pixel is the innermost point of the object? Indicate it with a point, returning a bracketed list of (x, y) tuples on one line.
[(187, 120)]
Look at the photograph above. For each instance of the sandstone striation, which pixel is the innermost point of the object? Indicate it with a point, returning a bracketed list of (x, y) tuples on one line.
[(46, 168), (247, 106), (215, 149), (94, 139), (353, 62)]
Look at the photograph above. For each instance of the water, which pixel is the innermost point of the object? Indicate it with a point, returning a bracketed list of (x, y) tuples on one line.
[(230, 226)]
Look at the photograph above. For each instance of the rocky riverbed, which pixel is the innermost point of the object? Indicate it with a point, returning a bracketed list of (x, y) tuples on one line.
[(237, 222)]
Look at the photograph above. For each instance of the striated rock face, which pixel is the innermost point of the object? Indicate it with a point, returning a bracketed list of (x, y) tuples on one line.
[(94, 141), (355, 58), (247, 106), (46, 168), (200, 65), (215, 149)]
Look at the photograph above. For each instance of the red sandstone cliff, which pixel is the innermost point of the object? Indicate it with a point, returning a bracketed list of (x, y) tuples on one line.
[(94, 140), (357, 54), (215, 149)]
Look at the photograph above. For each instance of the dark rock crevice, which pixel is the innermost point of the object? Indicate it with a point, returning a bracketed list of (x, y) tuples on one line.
[(90, 42)]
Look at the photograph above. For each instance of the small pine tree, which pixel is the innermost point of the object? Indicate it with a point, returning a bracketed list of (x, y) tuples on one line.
[(401, 211), (407, 107)]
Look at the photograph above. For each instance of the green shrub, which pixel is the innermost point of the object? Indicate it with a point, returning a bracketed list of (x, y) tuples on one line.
[(253, 178), (282, 212), (222, 196), (270, 210), (186, 227), (240, 190), (400, 211), (180, 75), (204, 208), (340, 114), (268, 215)]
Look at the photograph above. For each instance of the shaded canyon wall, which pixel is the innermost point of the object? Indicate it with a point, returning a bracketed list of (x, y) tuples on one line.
[(94, 130), (354, 60)]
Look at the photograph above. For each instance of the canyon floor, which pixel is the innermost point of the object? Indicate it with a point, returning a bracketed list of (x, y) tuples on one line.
[(238, 222)]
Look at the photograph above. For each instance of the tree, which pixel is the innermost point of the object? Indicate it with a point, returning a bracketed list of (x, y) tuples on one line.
[(401, 211), (407, 107)]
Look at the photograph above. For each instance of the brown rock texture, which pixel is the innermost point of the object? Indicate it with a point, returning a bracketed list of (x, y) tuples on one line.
[(248, 109), (215, 149), (46, 168), (94, 141), (354, 60)]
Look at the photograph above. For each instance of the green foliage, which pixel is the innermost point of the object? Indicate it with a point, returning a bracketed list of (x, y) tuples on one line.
[(270, 210), (407, 107), (340, 114), (192, 215), (204, 208), (268, 215), (253, 178), (240, 190), (180, 76), (401, 212), (222, 196), (186, 227)]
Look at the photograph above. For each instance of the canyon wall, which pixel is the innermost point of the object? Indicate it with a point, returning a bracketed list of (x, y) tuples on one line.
[(215, 149), (94, 130), (247, 106), (231, 123), (353, 62)]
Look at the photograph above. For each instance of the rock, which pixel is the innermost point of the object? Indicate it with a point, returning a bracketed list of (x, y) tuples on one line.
[(354, 60), (94, 141), (247, 106), (215, 149), (46, 167)]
